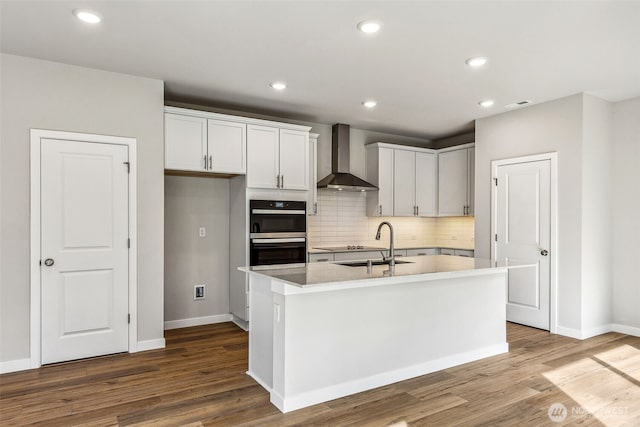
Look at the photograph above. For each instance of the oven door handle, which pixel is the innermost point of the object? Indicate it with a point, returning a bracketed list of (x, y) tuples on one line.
[(278, 212), (295, 240)]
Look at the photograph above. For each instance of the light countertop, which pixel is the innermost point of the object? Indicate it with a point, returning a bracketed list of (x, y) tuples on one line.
[(314, 275)]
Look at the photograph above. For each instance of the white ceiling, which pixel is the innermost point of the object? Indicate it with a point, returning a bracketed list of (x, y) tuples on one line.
[(225, 53)]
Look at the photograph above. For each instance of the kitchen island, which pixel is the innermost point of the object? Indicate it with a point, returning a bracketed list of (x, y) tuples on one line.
[(322, 331)]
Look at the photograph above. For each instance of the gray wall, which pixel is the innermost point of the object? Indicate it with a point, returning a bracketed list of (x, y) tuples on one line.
[(597, 146), (190, 203), (554, 126), (48, 95), (626, 206)]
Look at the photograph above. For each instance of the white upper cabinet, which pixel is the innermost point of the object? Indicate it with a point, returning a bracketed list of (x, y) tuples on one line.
[(227, 146), (185, 143), (312, 201), (277, 158), (380, 173), (407, 178), (263, 157), (294, 159), (404, 180), (198, 144), (426, 184), (455, 182)]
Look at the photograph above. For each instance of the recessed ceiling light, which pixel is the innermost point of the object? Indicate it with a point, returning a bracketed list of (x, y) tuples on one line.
[(87, 16), (278, 85), (476, 61), (369, 27), (486, 103), (370, 103)]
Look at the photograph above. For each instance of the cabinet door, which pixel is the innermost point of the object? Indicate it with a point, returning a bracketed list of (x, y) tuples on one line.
[(227, 146), (426, 184), (312, 200), (471, 179), (452, 183), (380, 173), (321, 257), (294, 159), (422, 252), (262, 157), (185, 142), (404, 183)]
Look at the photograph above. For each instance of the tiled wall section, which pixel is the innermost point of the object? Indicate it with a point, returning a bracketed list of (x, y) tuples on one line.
[(342, 220)]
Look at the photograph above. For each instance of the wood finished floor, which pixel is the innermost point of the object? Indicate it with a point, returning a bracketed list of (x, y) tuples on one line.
[(199, 380)]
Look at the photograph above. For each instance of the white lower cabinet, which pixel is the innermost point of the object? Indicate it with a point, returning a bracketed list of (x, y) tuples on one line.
[(422, 252), (457, 252)]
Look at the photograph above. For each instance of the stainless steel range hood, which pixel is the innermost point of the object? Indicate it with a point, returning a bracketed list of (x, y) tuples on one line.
[(340, 177)]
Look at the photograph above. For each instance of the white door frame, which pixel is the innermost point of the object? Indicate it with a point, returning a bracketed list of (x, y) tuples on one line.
[(553, 158), (36, 136)]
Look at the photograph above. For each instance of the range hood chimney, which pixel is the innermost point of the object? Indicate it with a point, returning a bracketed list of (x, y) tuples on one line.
[(340, 177)]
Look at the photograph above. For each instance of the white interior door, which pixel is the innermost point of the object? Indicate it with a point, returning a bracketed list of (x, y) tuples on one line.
[(84, 249), (523, 228)]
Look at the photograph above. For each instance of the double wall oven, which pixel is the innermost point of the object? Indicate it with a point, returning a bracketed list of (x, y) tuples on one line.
[(278, 232)]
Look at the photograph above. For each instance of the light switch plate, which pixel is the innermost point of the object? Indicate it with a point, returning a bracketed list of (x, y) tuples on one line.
[(198, 292), (202, 232)]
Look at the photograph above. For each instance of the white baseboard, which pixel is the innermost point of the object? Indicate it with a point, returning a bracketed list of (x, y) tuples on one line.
[(259, 381), (313, 397), (15, 365), (594, 332), (599, 330), (624, 329), (569, 332), (150, 345), (242, 324), (197, 321)]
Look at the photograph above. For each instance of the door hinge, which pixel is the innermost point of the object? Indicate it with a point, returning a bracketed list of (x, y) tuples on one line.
[(128, 166), (128, 318), (496, 237), (129, 243), (496, 181)]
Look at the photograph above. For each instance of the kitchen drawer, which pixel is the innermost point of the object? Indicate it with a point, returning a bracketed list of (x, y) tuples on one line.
[(463, 252), (328, 257), (445, 251), (422, 252)]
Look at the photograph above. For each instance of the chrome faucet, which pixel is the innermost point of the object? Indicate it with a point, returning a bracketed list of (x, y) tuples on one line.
[(391, 258)]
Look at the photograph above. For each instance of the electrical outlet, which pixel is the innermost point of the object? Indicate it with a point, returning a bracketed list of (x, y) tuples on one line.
[(202, 232), (198, 292)]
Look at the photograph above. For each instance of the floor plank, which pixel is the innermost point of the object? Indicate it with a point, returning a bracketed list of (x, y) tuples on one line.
[(199, 379)]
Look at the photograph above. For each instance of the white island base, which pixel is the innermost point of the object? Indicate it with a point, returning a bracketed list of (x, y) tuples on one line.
[(312, 342)]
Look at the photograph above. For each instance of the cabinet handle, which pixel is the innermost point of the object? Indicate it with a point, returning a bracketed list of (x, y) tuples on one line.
[(417, 210), (380, 210), (210, 162), (281, 181), (315, 208), (323, 260), (422, 253), (277, 181), (206, 166)]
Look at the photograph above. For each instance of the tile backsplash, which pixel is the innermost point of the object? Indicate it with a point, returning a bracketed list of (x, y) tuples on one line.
[(342, 220)]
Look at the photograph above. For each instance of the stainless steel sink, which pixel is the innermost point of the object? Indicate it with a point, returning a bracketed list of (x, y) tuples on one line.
[(376, 262)]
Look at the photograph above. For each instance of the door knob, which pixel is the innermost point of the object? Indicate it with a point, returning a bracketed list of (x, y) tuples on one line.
[(48, 262), (544, 252)]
